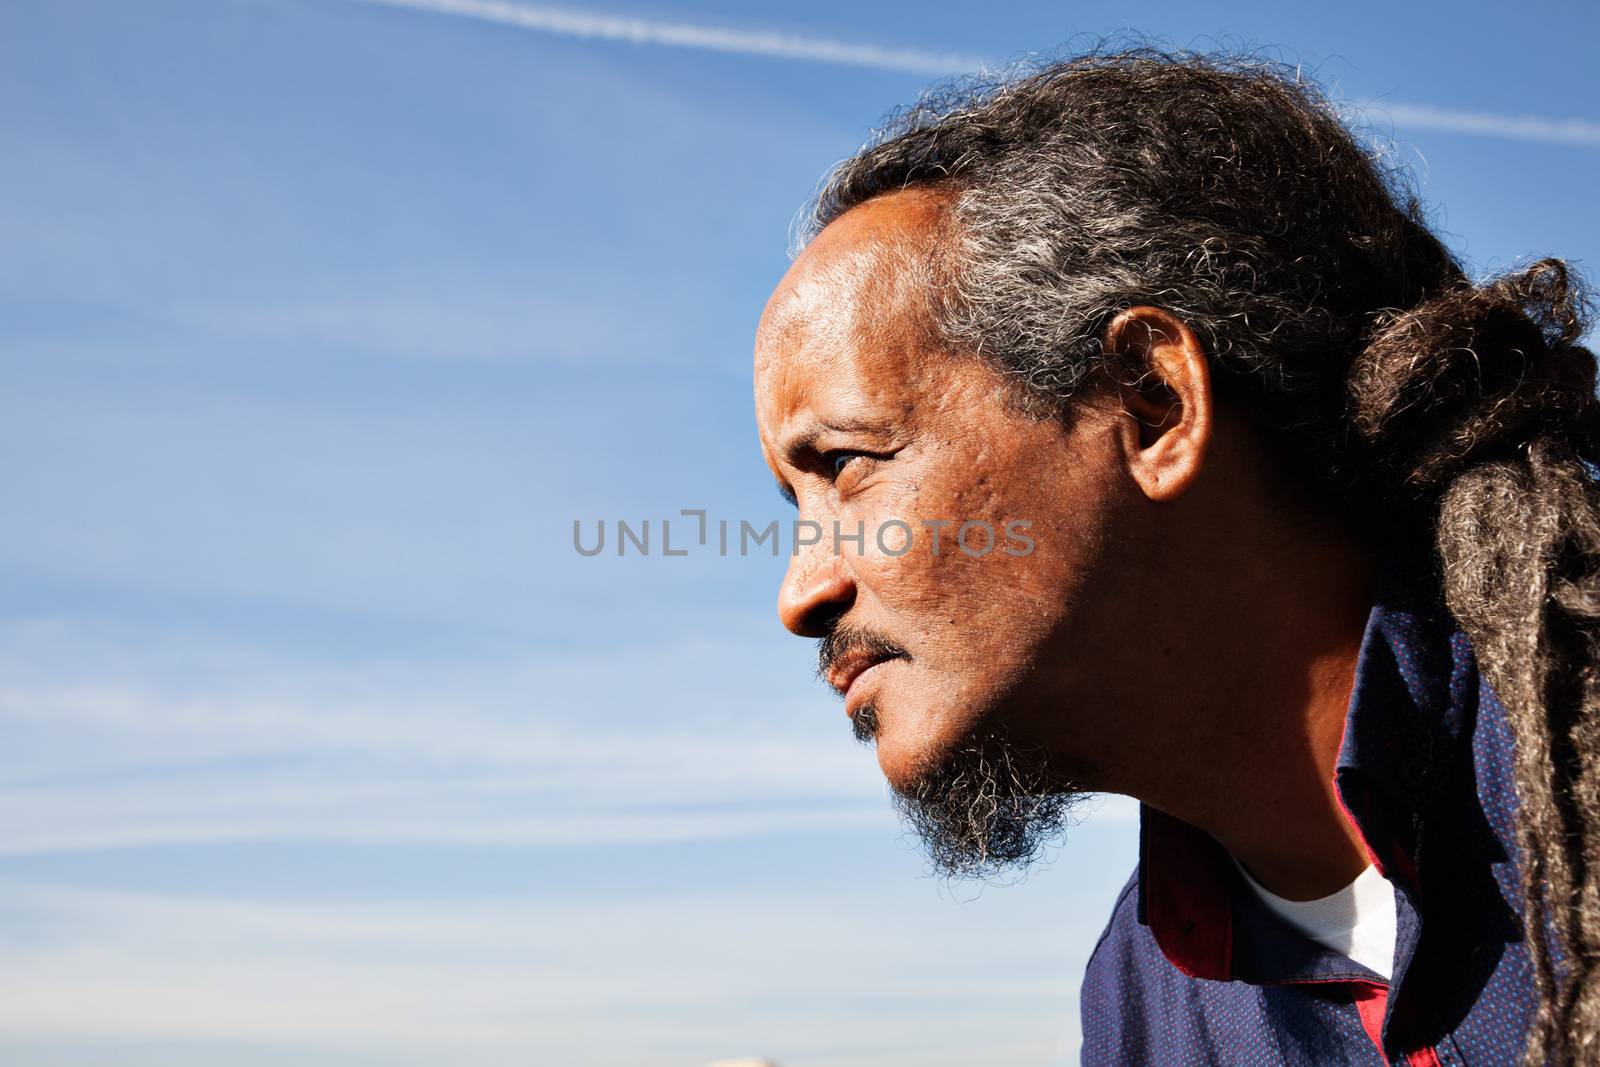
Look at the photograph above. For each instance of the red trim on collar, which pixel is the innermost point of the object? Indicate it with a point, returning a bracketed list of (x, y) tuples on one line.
[(1371, 1000), (1185, 900)]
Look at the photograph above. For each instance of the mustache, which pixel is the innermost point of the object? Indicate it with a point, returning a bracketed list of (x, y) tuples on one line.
[(842, 641)]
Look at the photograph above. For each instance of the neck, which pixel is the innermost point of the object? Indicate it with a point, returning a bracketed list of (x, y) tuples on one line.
[(1266, 694), (1272, 801)]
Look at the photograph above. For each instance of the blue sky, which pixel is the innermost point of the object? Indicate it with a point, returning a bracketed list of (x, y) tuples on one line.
[(320, 322)]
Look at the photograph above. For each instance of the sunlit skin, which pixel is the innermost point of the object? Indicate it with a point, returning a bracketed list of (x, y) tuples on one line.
[(1178, 634)]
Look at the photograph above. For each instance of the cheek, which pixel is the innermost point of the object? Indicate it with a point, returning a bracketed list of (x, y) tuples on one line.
[(988, 528), (978, 629), (980, 583), (983, 610)]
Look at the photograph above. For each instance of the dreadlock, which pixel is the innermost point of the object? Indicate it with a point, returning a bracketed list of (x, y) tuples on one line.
[(1231, 192)]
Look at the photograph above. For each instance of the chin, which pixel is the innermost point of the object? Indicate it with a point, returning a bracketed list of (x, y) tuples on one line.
[(981, 804), (913, 746), (901, 772)]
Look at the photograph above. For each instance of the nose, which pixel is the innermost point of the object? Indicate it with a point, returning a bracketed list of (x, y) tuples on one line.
[(817, 589)]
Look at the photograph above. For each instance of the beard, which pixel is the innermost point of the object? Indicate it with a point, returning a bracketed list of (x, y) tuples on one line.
[(989, 808)]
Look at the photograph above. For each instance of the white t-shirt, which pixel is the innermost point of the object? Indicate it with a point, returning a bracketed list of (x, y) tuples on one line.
[(1358, 921)]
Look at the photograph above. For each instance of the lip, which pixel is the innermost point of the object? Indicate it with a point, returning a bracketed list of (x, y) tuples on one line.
[(845, 677)]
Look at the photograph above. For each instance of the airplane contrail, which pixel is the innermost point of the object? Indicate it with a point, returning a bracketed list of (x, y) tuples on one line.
[(1581, 133), (685, 35)]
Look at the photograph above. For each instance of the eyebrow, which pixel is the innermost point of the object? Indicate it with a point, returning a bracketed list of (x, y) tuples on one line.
[(807, 438)]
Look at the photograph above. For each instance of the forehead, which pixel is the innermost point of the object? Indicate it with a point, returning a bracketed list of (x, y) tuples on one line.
[(847, 327)]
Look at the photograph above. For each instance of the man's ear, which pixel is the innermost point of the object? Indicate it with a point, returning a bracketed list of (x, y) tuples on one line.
[(1166, 399)]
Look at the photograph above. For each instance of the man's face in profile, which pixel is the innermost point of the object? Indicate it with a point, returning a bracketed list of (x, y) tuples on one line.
[(962, 668)]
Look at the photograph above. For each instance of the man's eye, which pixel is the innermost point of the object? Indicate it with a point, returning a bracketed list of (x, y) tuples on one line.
[(838, 461)]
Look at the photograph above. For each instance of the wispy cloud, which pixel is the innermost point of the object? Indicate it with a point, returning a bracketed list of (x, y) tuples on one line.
[(251, 749), (503, 980), (200, 743), (479, 323), (685, 35), (1582, 133)]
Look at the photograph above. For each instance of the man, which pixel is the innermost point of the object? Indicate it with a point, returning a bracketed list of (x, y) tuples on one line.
[(1313, 555)]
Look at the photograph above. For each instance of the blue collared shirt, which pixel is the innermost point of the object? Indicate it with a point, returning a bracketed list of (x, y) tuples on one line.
[(1193, 969)]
